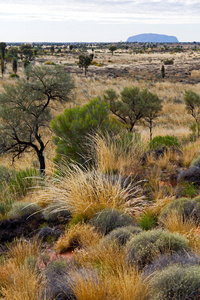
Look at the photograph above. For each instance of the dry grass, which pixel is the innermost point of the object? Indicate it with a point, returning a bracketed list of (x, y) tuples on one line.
[(77, 236), (113, 157), (24, 284), (86, 192), (176, 223), (20, 250), (190, 152)]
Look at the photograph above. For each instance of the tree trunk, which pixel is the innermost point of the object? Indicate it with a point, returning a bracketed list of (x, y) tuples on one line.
[(150, 128), (42, 162)]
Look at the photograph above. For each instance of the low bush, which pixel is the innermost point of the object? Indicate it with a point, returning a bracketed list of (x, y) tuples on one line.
[(110, 219), (57, 213), (158, 142), (168, 62), (23, 209), (187, 208), (196, 162), (191, 175), (121, 235), (146, 246), (147, 220), (23, 181), (176, 282), (184, 259), (14, 76)]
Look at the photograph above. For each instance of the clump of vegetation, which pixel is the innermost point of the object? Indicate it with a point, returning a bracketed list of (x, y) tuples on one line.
[(168, 62), (158, 142), (176, 282), (146, 246), (73, 128), (23, 209), (108, 220), (186, 208), (147, 220)]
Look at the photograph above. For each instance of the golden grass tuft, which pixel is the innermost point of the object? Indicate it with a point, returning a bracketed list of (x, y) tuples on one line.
[(85, 192), (20, 250), (176, 223), (24, 284), (77, 236)]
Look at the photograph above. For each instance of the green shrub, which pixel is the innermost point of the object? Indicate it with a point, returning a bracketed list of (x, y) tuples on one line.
[(176, 282), (168, 62), (74, 126), (14, 76), (23, 180), (23, 209), (121, 235), (188, 208), (147, 221), (146, 246), (158, 142), (108, 220), (196, 162)]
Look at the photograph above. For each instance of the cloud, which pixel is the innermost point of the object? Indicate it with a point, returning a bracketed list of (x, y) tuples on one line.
[(107, 11)]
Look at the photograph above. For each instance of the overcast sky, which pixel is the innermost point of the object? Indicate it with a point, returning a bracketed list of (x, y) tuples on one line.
[(97, 20)]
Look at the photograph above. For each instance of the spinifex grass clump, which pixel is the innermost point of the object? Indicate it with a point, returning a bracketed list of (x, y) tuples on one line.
[(186, 208), (87, 192), (176, 282), (23, 209), (107, 220), (146, 246)]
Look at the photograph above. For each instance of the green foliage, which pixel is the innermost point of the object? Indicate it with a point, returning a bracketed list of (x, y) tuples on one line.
[(147, 221), (158, 142), (14, 65), (26, 51), (84, 62), (133, 106), (14, 76), (168, 61), (3, 50), (25, 109), (3, 66), (146, 246), (120, 236), (188, 208), (176, 282), (192, 102), (74, 126), (57, 213), (110, 219), (23, 209), (112, 48), (23, 181), (187, 189), (196, 162)]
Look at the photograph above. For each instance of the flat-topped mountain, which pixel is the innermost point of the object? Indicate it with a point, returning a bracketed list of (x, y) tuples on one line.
[(152, 38)]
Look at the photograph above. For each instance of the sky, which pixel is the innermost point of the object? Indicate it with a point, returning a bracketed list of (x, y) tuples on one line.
[(97, 20)]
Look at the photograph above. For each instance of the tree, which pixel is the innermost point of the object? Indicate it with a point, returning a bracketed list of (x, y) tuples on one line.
[(112, 49), (130, 108), (12, 52), (84, 62), (73, 127), (192, 102), (14, 65), (52, 49), (26, 51), (25, 110), (3, 67), (3, 49), (153, 105), (163, 71)]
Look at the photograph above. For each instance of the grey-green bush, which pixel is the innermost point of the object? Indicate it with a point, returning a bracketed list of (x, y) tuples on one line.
[(108, 220), (57, 213), (146, 246), (196, 162), (177, 283), (120, 236), (185, 207), (23, 209)]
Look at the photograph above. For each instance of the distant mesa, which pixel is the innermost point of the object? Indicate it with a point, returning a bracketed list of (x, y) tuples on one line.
[(152, 38)]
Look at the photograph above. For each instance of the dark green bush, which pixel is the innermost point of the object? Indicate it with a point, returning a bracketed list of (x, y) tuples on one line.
[(177, 283), (23, 181), (108, 220), (146, 246), (121, 235), (147, 221), (158, 142), (14, 76), (74, 126), (168, 62), (185, 207)]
